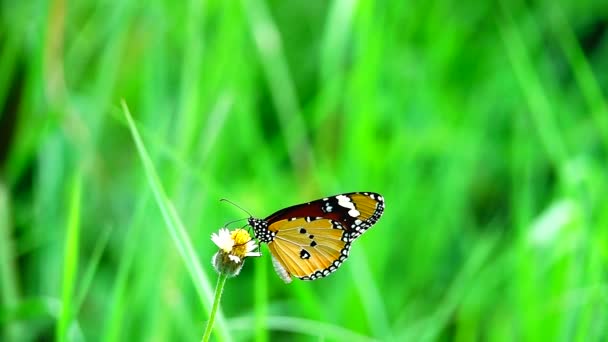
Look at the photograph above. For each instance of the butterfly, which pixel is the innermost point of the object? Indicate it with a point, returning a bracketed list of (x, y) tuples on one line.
[(311, 240)]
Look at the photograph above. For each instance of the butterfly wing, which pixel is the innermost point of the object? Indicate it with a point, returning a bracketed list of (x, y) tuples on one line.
[(356, 211), (311, 240), (308, 248)]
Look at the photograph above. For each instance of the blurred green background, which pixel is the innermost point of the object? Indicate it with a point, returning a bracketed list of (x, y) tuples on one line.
[(484, 125)]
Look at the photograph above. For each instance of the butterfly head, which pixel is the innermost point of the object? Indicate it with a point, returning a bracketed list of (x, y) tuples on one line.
[(260, 229)]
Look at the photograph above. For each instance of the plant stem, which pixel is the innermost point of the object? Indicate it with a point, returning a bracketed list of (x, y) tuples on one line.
[(219, 288)]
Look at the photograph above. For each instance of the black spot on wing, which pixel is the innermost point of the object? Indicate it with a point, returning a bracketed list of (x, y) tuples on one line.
[(304, 254)]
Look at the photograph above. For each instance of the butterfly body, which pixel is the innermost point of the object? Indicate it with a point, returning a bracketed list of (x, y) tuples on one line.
[(313, 239)]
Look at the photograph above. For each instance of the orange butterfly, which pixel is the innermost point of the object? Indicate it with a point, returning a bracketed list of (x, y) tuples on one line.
[(312, 240)]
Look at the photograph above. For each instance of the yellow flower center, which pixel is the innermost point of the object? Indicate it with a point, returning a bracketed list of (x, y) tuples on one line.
[(240, 237)]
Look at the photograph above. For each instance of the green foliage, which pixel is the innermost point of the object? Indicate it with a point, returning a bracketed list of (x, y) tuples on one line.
[(484, 125)]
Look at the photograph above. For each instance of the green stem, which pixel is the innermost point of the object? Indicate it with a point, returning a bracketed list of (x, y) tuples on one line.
[(219, 288)]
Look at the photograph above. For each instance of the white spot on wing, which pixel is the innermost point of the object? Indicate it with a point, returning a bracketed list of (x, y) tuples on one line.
[(354, 213), (345, 202)]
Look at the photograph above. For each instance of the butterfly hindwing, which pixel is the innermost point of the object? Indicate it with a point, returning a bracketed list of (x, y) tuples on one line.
[(309, 248)]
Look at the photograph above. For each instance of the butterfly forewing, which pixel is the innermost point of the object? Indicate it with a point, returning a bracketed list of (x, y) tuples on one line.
[(357, 211), (311, 240)]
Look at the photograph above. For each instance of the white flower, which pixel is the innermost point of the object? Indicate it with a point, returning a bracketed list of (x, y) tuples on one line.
[(234, 247), (250, 246)]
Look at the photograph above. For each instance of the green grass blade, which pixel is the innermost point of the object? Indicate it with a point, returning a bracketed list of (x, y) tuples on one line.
[(70, 261), (9, 295), (280, 82), (533, 90), (92, 267), (587, 81), (177, 231)]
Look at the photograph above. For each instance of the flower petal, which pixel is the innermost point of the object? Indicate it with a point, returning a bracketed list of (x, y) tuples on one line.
[(223, 240), (251, 245), (234, 258)]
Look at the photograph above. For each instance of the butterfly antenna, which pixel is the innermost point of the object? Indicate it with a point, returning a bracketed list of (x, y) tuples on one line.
[(233, 221), (236, 205)]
